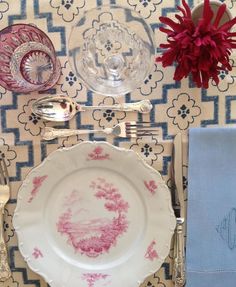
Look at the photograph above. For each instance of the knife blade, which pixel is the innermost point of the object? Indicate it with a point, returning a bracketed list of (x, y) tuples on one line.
[(178, 174), (178, 276)]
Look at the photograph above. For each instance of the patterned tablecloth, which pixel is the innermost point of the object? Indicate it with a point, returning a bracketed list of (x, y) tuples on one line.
[(177, 106)]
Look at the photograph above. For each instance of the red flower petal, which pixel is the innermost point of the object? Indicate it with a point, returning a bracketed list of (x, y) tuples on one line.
[(175, 26), (228, 25), (167, 31), (219, 15), (207, 12), (187, 9), (183, 11)]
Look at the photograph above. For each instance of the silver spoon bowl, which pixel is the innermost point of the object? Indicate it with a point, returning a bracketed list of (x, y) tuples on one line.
[(62, 108)]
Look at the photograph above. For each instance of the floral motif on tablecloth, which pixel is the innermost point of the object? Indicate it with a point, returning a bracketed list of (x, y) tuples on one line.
[(67, 9), (2, 92), (69, 82), (185, 178), (145, 7), (151, 283), (7, 226), (32, 123), (12, 283), (108, 118), (7, 152), (183, 111), (231, 3), (70, 141), (151, 82), (149, 149), (4, 7), (227, 78)]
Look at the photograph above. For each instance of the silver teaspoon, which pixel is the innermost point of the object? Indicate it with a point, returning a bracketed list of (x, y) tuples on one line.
[(62, 108)]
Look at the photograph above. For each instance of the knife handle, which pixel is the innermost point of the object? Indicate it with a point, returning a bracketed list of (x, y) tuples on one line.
[(179, 256)]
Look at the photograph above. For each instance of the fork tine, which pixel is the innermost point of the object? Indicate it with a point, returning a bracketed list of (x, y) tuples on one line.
[(146, 130), (150, 132), (139, 133), (134, 135), (146, 134), (140, 129), (2, 181), (3, 171), (140, 124)]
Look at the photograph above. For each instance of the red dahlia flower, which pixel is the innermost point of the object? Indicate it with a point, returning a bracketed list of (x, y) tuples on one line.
[(202, 49)]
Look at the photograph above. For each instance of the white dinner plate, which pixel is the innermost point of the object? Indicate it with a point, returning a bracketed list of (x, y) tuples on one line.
[(94, 215)]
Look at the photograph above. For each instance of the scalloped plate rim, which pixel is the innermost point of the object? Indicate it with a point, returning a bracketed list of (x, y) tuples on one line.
[(34, 170)]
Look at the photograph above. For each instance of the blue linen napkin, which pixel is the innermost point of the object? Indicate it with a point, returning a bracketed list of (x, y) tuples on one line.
[(211, 214)]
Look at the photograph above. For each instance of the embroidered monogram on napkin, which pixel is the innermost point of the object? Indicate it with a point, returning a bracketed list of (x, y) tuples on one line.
[(227, 229)]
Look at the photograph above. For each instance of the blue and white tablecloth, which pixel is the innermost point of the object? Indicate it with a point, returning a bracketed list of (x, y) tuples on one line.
[(177, 106)]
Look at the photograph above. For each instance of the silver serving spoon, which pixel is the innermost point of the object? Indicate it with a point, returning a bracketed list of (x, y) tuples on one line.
[(62, 108)]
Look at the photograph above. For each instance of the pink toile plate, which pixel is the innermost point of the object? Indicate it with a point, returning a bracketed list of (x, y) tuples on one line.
[(94, 215)]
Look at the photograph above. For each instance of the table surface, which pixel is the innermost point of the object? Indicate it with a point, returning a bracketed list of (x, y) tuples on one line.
[(177, 107)]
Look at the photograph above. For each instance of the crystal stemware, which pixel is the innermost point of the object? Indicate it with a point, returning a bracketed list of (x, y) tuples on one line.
[(111, 49)]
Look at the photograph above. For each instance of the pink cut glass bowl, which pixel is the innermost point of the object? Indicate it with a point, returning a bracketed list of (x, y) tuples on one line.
[(27, 59)]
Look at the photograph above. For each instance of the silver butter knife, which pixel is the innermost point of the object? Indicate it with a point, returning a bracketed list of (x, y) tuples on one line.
[(178, 275)]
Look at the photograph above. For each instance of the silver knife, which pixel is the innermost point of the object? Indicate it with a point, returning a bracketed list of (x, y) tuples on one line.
[(178, 276)]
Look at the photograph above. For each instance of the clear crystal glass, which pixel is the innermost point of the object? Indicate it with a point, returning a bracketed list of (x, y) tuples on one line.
[(111, 49)]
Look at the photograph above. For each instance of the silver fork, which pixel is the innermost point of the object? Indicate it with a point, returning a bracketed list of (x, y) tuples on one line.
[(129, 129), (5, 271)]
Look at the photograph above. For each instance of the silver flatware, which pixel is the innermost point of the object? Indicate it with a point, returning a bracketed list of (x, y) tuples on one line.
[(129, 129), (61, 108), (5, 271), (178, 275)]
